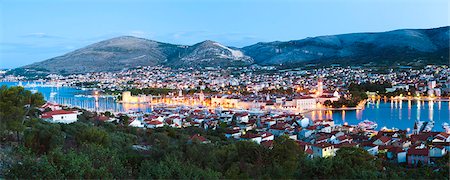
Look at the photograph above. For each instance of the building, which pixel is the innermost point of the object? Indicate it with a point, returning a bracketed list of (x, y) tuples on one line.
[(251, 137), (154, 124), (319, 87), (128, 98), (305, 103), (396, 154), (437, 151), (323, 150), (415, 156), (60, 116)]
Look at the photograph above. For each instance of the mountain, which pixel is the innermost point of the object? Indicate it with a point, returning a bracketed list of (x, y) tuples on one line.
[(210, 53), (356, 48), (405, 46), (128, 52), (110, 55)]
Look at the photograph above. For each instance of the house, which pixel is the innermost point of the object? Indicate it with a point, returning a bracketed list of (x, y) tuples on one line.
[(414, 156), (423, 137), (396, 154), (306, 147), (403, 143), (437, 151), (341, 139), (323, 150), (51, 106), (322, 138), (136, 123), (233, 133), (251, 137), (267, 136), (242, 117), (278, 129), (153, 124), (104, 118), (343, 145), (441, 137), (199, 138), (371, 149), (446, 145), (158, 118), (60, 116), (326, 128), (306, 132), (383, 140)]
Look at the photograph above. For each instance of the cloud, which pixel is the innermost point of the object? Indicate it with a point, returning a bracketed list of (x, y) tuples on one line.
[(139, 33), (41, 35)]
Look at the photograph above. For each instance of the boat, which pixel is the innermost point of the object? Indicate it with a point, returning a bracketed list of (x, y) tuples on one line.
[(393, 129), (53, 94), (446, 127), (429, 126), (368, 125)]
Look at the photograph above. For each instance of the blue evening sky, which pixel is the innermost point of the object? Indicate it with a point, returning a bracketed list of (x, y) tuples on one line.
[(32, 30)]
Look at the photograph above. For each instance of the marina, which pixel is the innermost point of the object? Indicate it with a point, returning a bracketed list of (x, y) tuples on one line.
[(401, 114)]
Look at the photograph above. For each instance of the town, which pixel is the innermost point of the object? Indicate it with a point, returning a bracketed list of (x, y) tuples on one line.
[(260, 107)]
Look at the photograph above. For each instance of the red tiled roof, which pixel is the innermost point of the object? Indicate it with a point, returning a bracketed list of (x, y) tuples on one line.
[(418, 152), (232, 131), (322, 145), (154, 122), (250, 136), (198, 138), (384, 147), (443, 134), (266, 134), (57, 112), (396, 149), (345, 144), (278, 126), (384, 139), (309, 151)]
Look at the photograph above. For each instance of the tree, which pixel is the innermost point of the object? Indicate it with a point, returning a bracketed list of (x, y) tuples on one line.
[(93, 135), (172, 168), (43, 137), (15, 103), (285, 157)]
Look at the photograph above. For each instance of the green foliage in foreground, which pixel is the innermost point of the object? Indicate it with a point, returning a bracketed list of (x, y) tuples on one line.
[(15, 104), (71, 151)]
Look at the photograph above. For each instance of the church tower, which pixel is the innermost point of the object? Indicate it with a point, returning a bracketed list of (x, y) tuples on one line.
[(320, 87)]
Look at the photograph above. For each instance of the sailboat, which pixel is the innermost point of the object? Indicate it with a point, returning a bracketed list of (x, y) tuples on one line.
[(33, 90), (446, 126)]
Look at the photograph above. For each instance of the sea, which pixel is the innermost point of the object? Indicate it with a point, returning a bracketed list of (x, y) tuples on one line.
[(401, 114)]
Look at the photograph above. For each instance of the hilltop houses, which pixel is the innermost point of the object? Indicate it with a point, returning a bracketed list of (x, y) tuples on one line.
[(60, 116)]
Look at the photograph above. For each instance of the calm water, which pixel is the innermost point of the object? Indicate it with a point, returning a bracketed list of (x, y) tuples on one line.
[(398, 114), (68, 96)]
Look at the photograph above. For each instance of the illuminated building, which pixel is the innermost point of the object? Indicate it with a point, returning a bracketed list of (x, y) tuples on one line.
[(128, 98)]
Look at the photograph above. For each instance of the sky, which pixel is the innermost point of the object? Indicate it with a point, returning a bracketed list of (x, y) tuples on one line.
[(32, 30)]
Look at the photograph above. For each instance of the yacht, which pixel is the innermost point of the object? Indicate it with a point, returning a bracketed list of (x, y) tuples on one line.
[(368, 125), (446, 127)]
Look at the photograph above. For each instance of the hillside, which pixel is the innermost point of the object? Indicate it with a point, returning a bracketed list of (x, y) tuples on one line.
[(406, 46)]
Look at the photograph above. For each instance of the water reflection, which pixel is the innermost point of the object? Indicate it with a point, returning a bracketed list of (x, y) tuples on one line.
[(430, 110), (389, 115)]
